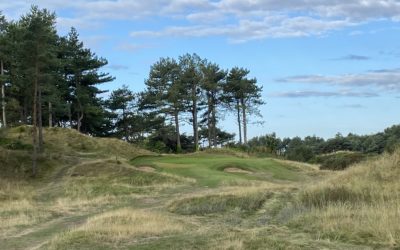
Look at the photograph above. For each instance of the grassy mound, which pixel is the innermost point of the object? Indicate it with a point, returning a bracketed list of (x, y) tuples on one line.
[(110, 177), (110, 229), (71, 142), (62, 147), (361, 204), (208, 170), (220, 203), (339, 160)]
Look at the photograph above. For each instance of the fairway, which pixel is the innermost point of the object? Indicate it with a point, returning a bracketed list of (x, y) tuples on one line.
[(210, 170)]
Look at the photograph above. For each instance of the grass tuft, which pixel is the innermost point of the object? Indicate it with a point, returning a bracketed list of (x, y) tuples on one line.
[(210, 204)]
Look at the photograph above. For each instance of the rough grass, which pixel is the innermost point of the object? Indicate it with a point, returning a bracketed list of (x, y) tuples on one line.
[(361, 204), (18, 209), (111, 178), (89, 197), (116, 227), (19, 214), (219, 203), (71, 142)]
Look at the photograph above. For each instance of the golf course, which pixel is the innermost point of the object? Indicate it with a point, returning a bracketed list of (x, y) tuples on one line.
[(94, 193)]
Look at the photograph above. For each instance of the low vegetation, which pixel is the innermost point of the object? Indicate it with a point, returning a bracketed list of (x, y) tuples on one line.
[(361, 204), (110, 229), (339, 160), (209, 204), (93, 199)]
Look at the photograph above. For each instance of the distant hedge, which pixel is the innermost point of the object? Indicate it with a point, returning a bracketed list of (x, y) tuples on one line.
[(339, 160)]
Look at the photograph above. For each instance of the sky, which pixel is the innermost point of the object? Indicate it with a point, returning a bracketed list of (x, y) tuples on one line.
[(325, 66)]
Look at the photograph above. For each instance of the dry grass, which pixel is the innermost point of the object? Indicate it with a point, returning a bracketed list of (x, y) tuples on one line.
[(360, 204), (14, 190), (17, 207), (300, 165), (66, 205), (373, 223), (118, 226), (20, 213), (71, 142), (222, 151), (246, 199)]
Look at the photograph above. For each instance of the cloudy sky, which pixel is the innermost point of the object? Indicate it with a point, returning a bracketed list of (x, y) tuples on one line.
[(326, 66)]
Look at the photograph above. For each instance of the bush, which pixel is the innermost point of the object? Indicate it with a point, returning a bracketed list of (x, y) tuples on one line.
[(301, 153), (339, 161)]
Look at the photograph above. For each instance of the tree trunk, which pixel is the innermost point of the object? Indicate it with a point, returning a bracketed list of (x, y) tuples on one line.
[(239, 122), (209, 122), (50, 115), (34, 123), (25, 119), (214, 122), (195, 125), (80, 112), (244, 122), (178, 135), (3, 96), (125, 125), (80, 117), (40, 120), (70, 114)]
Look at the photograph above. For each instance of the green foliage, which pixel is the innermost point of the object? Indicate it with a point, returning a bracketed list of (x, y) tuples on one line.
[(335, 153), (339, 160)]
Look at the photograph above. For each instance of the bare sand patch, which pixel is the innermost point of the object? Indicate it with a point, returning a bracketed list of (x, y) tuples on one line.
[(146, 169), (236, 170)]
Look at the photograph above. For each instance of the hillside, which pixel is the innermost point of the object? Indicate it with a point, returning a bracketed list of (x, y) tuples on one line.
[(63, 147), (95, 193)]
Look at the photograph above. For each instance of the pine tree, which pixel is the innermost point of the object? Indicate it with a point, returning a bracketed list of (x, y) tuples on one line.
[(165, 93), (81, 72), (213, 78), (120, 100), (243, 95), (39, 39), (3, 55), (191, 76)]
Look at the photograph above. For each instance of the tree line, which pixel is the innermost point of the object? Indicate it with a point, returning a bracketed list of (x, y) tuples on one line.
[(48, 80), (308, 148)]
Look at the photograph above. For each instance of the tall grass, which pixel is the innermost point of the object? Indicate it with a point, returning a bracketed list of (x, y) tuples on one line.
[(116, 227), (361, 204)]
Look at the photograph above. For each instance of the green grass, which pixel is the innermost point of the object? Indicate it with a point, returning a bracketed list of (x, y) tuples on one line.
[(208, 169)]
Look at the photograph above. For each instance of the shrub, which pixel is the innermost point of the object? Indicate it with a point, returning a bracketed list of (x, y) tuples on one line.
[(339, 161)]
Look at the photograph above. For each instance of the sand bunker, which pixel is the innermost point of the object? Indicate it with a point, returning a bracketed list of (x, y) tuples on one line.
[(146, 169), (236, 170)]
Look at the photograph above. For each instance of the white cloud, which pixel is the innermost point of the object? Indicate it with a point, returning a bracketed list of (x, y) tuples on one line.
[(248, 19), (352, 57), (313, 93), (246, 30), (386, 79), (131, 47)]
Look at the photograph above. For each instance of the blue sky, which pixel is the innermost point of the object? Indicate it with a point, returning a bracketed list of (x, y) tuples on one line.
[(326, 66)]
